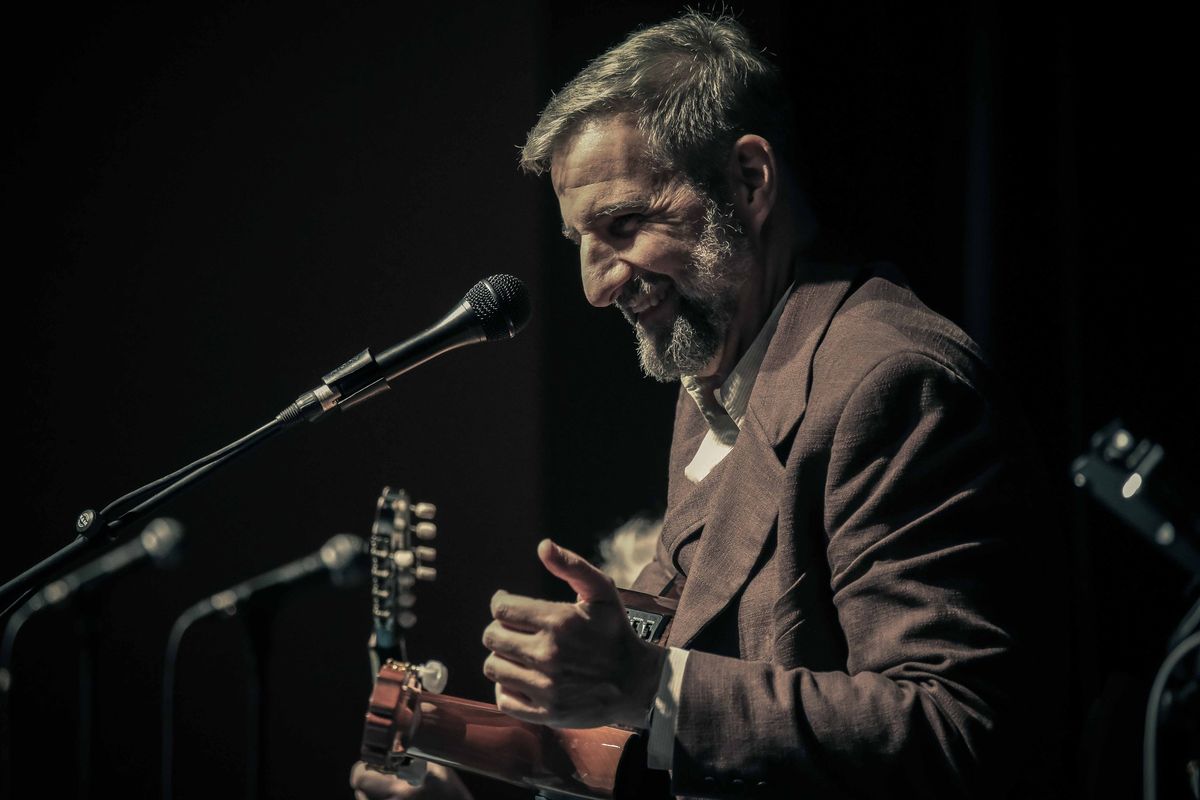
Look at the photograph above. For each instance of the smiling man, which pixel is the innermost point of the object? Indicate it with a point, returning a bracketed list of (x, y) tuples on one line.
[(846, 497), (655, 246)]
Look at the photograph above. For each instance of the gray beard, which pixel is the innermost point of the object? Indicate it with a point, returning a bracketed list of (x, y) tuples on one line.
[(718, 265)]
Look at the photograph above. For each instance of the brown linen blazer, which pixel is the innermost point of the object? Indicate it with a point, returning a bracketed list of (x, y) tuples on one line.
[(849, 600)]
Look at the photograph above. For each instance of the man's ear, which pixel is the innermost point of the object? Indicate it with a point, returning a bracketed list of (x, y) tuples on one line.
[(754, 177)]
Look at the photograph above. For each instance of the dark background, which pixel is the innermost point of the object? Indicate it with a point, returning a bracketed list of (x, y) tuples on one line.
[(207, 206)]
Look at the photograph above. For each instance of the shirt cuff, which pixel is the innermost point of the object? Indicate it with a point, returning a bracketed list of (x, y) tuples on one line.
[(660, 749)]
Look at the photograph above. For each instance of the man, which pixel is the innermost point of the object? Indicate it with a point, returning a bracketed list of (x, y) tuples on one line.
[(843, 514)]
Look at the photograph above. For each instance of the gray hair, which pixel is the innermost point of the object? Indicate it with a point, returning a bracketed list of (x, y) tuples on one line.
[(694, 84)]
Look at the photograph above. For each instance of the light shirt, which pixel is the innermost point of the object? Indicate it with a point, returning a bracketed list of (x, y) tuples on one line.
[(724, 410)]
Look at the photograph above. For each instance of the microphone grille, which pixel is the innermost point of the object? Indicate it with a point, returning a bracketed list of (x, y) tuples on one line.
[(161, 536), (502, 304)]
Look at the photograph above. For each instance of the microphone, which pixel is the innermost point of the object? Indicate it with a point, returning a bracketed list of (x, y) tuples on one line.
[(157, 542), (337, 559), (496, 308)]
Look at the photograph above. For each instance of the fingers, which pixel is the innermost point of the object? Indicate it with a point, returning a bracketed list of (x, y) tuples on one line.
[(525, 613), (442, 782), (517, 705), (371, 785), (592, 585), (515, 677), (524, 648)]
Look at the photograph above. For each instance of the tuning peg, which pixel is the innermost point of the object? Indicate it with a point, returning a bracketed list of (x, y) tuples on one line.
[(425, 510), (426, 531), (404, 558), (426, 553), (426, 573), (406, 619), (406, 600), (433, 676)]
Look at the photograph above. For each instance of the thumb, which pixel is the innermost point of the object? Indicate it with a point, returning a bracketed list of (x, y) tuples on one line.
[(592, 585)]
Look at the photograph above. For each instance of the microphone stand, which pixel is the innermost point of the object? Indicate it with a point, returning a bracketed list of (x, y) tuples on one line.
[(94, 528), (87, 636), (257, 625), (492, 310), (88, 632)]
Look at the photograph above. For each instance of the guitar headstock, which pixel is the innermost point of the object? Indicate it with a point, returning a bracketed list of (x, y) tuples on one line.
[(401, 555)]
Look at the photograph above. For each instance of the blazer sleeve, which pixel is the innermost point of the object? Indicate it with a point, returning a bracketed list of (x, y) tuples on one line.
[(918, 522)]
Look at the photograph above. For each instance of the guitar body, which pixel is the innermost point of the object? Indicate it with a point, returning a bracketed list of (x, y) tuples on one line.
[(607, 763)]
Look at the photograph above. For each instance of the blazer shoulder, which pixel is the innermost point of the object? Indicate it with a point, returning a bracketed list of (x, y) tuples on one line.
[(881, 319)]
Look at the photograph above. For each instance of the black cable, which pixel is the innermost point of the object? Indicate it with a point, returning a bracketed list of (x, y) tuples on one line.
[(180, 478), (1150, 739), (6, 677), (174, 482), (1191, 621), (185, 621)]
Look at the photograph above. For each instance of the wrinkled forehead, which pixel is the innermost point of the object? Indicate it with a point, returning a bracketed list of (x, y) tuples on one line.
[(603, 149)]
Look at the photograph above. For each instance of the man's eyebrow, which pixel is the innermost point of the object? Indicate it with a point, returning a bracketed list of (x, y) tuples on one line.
[(610, 210)]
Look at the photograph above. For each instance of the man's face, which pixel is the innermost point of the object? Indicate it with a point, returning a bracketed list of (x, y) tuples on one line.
[(651, 244)]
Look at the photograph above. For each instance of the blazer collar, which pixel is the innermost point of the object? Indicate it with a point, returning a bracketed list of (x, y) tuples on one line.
[(785, 378)]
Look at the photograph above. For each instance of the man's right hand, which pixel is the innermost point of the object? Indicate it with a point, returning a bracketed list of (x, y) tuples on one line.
[(441, 783)]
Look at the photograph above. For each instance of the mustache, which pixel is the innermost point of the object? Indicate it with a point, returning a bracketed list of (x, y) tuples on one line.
[(640, 285)]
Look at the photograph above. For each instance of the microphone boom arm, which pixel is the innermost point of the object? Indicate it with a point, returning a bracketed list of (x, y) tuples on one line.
[(493, 309)]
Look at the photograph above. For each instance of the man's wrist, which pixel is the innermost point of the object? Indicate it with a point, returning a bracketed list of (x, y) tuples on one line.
[(642, 685)]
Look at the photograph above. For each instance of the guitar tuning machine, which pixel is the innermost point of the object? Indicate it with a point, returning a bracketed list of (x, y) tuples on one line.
[(407, 559), (426, 573), (426, 531), (425, 510), (433, 676)]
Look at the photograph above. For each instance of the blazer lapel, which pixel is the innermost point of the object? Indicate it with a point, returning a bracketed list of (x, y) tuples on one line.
[(741, 514), (739, 509), (781, 391), (686, 501)]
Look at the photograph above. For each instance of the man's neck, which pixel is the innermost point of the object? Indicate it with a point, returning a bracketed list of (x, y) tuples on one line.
[(758, 298)]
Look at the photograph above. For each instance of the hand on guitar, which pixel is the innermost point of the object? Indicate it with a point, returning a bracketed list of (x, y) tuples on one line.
[(570, 665), (439, 783)]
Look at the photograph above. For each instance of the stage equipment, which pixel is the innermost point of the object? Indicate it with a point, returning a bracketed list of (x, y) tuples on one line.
[(1131, 477), (494, 309), (340, 560)]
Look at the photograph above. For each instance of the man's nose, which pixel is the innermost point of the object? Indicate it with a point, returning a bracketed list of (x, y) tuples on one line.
[(604, 274)]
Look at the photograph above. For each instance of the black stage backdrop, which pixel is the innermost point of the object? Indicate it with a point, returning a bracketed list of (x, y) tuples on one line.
[(207, 206)]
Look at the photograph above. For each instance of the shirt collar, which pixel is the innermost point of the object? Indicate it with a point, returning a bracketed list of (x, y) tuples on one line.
[(725, 408)]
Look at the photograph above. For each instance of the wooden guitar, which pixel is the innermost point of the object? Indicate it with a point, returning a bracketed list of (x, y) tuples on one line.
[(407, 716)]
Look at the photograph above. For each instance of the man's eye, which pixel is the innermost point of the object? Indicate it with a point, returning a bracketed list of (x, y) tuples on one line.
[(626, 225)]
